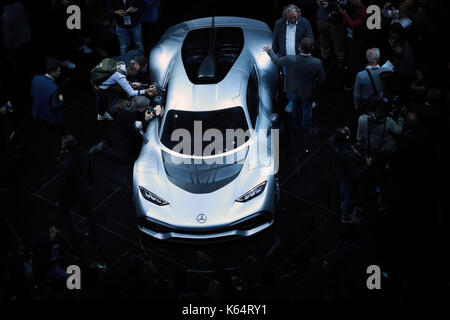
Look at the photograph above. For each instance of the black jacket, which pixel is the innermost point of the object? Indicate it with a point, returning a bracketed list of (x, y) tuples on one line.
[(348, 165), (114, 5), (122, 133), (75, 176)]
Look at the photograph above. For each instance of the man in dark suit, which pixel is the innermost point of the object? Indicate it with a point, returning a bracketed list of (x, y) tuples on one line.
[(47, 100), (48, 110), (304, 74), (289, 31)]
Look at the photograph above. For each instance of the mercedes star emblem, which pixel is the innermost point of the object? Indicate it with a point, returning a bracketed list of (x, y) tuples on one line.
[(201, 218)]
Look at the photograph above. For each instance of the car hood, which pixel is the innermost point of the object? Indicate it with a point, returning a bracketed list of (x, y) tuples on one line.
[(203, 175), (152, 172)]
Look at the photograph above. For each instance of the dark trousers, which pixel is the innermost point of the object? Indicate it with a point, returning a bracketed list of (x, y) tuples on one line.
[(105, 99), (49, 141), (347, 195), (306, 111)]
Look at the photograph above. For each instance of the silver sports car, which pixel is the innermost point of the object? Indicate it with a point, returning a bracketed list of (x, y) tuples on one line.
[(207, 168)]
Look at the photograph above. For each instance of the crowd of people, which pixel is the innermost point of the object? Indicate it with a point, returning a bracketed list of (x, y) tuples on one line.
[(388, 159)]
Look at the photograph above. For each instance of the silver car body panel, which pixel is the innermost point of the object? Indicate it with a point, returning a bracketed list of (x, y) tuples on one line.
[(220, 206)]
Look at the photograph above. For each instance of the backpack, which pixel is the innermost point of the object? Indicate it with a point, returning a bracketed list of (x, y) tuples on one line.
[(106, 68)]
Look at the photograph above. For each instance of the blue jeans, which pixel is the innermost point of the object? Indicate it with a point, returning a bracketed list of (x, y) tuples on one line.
[(306, 121), (347, 197), (130, 36)]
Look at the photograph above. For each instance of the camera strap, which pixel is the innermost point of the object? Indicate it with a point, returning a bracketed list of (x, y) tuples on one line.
[(372, 82)]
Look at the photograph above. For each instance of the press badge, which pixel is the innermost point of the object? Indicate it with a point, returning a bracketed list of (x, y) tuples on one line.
[(127, 20)]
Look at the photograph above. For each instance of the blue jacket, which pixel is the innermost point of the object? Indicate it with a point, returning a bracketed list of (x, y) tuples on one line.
[(149, 10), (46, 103)]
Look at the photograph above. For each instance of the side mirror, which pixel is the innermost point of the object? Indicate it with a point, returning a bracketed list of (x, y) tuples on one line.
[(274, 118), (138, 125), (273, 121)]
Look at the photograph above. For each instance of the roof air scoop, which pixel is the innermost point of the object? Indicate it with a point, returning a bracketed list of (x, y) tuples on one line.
[(208, 67)]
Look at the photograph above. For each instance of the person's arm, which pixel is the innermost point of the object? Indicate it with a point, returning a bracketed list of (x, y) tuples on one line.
[(387, 13), (56, 100), (321, 75), (279, 61), (308, 31), (133, 6), (357, 92), (123, 82), (361, 134), (393, 126)]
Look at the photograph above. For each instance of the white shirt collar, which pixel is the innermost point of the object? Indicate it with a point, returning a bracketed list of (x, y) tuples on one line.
[(50, 76), (373, 67), (287, 22), (305, 54)]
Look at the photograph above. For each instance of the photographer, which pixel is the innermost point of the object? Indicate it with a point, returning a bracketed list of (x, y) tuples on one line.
[(330, 26), (403, 15), (375, 136), (142, 76), (354, 14), (349, 166), (122, 136), (377, 128), (116, 87)]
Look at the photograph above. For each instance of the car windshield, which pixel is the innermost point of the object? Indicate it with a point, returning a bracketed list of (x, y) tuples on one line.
[(205, 133)]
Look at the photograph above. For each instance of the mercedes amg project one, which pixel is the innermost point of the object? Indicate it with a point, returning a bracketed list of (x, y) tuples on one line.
[(218, 83)]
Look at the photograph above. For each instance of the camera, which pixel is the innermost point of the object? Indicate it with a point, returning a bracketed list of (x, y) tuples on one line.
[(161, 90), (151, 111), (158, 99)]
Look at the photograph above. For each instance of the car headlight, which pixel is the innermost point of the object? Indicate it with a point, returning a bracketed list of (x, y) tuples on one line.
[(256, 191), (150, 196)]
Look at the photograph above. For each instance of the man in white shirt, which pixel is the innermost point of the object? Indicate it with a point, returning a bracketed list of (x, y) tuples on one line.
[(289, 32)]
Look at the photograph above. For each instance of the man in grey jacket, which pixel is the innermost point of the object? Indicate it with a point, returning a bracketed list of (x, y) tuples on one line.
[(304, 74), (376, 130)]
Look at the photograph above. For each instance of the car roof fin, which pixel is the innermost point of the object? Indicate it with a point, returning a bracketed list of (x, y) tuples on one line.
[(208, 67)]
